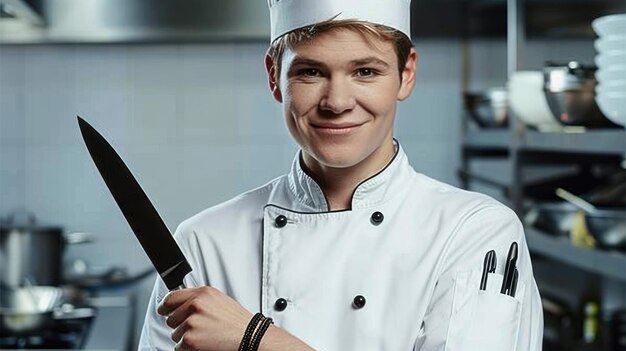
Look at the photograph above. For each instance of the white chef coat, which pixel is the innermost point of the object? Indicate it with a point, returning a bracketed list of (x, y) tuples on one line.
[(418, 270)]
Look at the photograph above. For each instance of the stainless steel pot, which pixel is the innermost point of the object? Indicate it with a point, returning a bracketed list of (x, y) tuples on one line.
[(570, 93), (33, 254)]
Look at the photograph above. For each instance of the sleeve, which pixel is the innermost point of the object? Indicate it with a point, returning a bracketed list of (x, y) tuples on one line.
[(460, 316), (155, 334)]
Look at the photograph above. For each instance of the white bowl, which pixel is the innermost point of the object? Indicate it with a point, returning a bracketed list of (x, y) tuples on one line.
[(615, 86), (613, 107), (610, 75), (612, 59), (528, 101), (607, 44), (612, 24)]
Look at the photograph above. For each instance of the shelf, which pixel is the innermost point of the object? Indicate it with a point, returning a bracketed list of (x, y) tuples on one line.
[(608, 264), (487, 139), (605, 141)]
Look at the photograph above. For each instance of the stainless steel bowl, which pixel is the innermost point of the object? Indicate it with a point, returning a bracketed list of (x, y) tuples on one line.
[(27, 309), (553, 218), (570, 93), (488, 109), (608, 227)]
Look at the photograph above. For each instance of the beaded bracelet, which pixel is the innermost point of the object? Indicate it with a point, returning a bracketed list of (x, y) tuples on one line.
[(256, 340), (247, 336)]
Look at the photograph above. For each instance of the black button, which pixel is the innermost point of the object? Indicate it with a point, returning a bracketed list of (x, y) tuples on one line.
[(280, 304), (358, 302), (280, 221), (377, 218)]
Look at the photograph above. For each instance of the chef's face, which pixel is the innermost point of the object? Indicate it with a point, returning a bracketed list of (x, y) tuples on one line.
[(339, 92)]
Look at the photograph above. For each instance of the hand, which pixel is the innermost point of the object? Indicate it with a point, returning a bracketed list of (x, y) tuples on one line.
[(204, 319)]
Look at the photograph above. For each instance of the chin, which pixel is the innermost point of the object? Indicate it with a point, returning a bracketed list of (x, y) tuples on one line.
[(336, 157)]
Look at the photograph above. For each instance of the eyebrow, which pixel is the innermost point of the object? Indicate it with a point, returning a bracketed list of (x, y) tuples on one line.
[(371, 60), (354, 63)]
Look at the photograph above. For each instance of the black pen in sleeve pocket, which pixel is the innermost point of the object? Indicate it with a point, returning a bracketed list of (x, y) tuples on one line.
[(489, 266), (514, 283), (509, 269)]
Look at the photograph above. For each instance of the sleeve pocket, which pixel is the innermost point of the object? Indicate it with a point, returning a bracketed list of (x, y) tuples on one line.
[(483, 320)]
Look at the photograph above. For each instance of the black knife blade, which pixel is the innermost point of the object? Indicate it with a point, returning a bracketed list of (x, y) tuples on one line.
[(143, 218)]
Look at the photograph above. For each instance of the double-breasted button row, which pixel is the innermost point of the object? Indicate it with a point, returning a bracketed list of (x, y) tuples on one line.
[(376, 219), (357, 303)]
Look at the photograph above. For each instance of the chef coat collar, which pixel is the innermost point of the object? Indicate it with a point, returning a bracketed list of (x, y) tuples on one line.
[(369, 193)]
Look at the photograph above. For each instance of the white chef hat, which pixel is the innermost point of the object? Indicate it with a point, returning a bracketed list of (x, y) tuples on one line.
[(287, 15)]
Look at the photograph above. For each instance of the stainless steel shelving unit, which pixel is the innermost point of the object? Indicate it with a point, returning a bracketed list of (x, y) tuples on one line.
[(522, 146)]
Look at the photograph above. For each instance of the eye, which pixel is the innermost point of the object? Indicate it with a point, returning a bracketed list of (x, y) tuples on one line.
[(365, 72), (310, 72)]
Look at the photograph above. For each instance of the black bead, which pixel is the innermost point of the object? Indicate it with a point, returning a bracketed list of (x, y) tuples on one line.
[(280, 304), (377, 218), (280, 221), (358, 302)]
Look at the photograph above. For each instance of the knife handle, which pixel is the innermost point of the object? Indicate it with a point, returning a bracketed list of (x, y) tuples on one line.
[(184, 286), (180, 287)]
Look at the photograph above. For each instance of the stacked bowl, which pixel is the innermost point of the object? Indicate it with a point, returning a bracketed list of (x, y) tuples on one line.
[(611, 62)]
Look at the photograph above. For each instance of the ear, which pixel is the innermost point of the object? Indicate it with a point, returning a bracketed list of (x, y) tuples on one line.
[(271, 76), (408, 76)]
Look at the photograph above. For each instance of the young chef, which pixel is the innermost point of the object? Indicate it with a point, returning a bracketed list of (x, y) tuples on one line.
[(352, 249)]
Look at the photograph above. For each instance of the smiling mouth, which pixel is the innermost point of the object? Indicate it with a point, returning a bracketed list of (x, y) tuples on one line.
[(336, 129)]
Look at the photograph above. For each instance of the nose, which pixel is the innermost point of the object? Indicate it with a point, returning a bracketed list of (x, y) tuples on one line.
[(338, 97)]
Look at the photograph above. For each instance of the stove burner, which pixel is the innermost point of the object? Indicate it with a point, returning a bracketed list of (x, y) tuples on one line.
[(62, 334)]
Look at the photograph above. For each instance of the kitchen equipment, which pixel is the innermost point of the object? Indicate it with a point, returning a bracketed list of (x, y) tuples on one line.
[(33, 252), (610, 43), (528, 101), (575, 200), (611, 58), (149, 228), (607, 226), (553, 218), (570, 93), (613, 88), (610, 25), (614, 107), (488, 109), (115, 277), (611, 61), (27, 309), (611, 75)]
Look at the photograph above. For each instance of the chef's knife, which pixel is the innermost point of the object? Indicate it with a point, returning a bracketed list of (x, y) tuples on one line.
[(149, 228)]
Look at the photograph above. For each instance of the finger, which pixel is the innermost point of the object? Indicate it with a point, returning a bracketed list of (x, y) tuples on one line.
[(179, 332), (183, 312), (172, 301)]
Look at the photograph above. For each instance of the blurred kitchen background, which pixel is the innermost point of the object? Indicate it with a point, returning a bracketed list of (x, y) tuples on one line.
[(180, 90)]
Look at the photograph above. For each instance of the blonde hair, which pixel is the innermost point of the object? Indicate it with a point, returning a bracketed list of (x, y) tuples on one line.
[(402, 44)]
